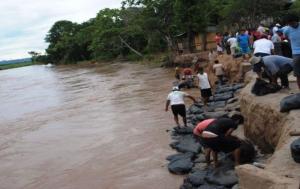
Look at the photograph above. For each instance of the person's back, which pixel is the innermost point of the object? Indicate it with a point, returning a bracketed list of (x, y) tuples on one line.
[(276, 38), (264, 46), (203, 81), (221, 126), (274, 63), (293, 35), (187, 71), (218, 69), (232, 42), (176, 97), (243, 40)]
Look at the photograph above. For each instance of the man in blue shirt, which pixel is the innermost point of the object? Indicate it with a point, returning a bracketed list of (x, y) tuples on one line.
[(244, 43), (275, 66), (292, 32)]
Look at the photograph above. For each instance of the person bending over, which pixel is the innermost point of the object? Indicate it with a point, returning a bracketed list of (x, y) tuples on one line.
[(198, 130), (176, 99), (274, 66), (217, 137)]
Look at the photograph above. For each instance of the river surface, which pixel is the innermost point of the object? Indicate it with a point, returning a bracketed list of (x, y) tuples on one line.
[(95, 127)]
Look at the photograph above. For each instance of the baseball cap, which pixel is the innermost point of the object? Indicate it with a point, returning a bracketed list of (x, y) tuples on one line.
[(254, 60)]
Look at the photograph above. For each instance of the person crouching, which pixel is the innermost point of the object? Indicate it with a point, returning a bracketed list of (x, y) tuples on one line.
[(217, 136)]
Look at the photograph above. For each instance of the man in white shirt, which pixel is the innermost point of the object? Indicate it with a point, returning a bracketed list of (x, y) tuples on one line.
[(204, 85), (263, 47), (233, 44), (176, 99)]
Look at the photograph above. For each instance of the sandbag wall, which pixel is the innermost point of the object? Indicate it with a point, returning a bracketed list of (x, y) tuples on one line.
[(191, 161)]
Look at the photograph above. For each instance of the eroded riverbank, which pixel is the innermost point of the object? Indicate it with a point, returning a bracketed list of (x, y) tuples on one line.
[(91, 127)]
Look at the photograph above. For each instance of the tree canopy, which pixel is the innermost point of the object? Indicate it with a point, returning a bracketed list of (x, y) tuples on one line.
[(142, 27)]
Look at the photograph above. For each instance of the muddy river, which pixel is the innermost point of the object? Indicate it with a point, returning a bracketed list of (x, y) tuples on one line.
[(96, 127)]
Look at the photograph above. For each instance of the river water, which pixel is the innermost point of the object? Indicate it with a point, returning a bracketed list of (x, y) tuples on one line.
[(94, 127)]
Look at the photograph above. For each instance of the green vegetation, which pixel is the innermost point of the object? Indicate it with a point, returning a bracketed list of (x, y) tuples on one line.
[(142, 28), (17, 65)]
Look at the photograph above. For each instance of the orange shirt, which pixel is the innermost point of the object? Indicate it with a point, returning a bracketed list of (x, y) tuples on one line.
[(201, 126)]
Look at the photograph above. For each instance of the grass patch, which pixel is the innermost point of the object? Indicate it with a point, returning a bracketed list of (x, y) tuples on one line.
[(17, 65)]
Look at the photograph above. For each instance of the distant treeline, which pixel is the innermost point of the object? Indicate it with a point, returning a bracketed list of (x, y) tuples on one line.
[(142, 27)]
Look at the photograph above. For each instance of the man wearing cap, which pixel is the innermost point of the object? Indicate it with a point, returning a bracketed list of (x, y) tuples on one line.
[(275, 66), (176, 99), (292, 32)]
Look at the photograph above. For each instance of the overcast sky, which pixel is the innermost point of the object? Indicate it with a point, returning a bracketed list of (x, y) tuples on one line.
[(25, 23)]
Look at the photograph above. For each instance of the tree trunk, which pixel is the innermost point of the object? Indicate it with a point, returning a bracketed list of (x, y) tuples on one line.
[(190, 40), (132, 49), (204, 41)]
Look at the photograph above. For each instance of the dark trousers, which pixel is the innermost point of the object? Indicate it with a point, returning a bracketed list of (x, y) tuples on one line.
[(220, 78), (261, 54), (283, 74)]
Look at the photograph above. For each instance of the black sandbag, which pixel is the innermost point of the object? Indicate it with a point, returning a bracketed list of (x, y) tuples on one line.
[(211, 186), (233, 100), (248, 152), (220, 177), (224, 90), (183, 130), (262, 87), (187, 185), (175, 157), (223, 97), (290, 102), (197, 178), (181, 166), (238, 86), (186, 143), (195, 109), (215, 115), (295, 150), (217, 104)]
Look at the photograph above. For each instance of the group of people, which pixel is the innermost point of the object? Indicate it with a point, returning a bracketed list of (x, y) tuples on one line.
[(268, 58), (215, 135)]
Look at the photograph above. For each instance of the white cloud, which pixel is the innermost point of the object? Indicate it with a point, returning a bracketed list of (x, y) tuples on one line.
[(24, 23)]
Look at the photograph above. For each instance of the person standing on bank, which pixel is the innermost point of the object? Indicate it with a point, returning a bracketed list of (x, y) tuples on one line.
[(293, 34), (219, 71), (275, 66), (204, 85), (263, 47), (176, 99), (217, 137)]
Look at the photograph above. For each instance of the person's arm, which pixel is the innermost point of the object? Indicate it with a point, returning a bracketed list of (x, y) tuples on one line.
[(228, 133), (259, 74), (272, 48), (191, 97), (274, 79), (167, 105)]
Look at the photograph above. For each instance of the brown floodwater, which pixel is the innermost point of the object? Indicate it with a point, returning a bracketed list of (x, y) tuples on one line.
[(94, 127)]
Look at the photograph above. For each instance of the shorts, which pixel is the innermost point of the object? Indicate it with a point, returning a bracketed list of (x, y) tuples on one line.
[(222, 144), (178, 109), (296, 68), (245, 50), (206, 92), (201, 141), (219, 48)]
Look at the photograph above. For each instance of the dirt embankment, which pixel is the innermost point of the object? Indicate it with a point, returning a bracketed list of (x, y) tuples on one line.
[(269, 129), (266, 127)]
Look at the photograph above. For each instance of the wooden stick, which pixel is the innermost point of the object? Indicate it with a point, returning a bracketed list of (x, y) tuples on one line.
[(294, 133)]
